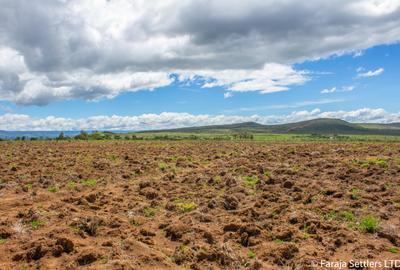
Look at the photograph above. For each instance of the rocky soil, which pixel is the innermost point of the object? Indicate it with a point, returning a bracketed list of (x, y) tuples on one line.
[(196, 205)]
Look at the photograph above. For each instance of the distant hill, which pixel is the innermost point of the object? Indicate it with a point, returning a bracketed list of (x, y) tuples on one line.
[(315, 126)]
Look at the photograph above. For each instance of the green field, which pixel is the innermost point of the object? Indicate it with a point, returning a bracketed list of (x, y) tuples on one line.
[(259, 137)]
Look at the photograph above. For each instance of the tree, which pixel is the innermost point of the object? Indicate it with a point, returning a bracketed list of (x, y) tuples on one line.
[(61, 136)]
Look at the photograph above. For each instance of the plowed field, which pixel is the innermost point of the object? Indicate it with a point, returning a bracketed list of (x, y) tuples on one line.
[(196, 205)]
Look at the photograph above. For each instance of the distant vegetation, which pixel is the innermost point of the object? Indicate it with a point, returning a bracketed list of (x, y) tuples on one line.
[(312, 130)]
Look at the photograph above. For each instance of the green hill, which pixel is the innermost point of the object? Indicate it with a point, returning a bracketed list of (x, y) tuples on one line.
[(315, 126)]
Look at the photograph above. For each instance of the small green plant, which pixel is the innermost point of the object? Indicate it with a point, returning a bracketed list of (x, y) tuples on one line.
[(163, 166), (52, 189), (29, 186), (2, 241), (355, 194), (251, 254), (35, 224), (331, 215), (267, 173), (89, 182), (251, 181), (393, 250), (347, 216), (71, 184), (279, 241), (149, 211), (369, 224), (185, 206)]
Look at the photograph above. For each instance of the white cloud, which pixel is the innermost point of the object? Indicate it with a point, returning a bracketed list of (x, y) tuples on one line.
[(328, 91), (89, 49), (358, 53), (371, 73), (335, 90), (176, 120), (228, 94), (271, 78)]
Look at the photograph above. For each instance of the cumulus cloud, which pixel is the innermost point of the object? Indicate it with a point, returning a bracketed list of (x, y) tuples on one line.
[(271, 78), (54, 49), (370, 73), (176, 120)]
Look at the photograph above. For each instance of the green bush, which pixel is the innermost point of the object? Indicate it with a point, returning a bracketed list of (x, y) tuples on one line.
[(369, 224)]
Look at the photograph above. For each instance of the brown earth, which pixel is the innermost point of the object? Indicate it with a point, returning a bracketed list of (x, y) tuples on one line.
[(196, 205)]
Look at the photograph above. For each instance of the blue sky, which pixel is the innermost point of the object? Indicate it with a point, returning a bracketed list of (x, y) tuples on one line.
[(162, 71)]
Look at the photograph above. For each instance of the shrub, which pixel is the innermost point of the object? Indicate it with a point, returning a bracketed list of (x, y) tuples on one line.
[(369, 224)]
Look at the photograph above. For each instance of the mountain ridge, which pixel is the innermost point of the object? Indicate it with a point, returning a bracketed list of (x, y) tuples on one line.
[(313, 126)]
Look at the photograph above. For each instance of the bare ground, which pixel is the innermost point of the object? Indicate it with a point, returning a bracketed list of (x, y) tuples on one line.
[(196, 205)]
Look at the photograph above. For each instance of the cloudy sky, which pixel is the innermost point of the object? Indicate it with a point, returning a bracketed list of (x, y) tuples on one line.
[(137, 64)]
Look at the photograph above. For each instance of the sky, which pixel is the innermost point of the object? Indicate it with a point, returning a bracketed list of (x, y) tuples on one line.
[(137, 64)]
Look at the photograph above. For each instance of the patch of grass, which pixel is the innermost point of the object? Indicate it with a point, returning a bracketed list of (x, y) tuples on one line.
[(369, 224), (251, 254), (185, 206), (314, 198), (331, 215), (35, 224), (278, 241), (76, 229), (89, 182), (52, 189), (71, 184), (347, 216), (393, 250), (163, 166), (373, 161), (250, 181), (218, 179), (2, 241), (355, 194), (114, 159), (149, 212), (267, 173)]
